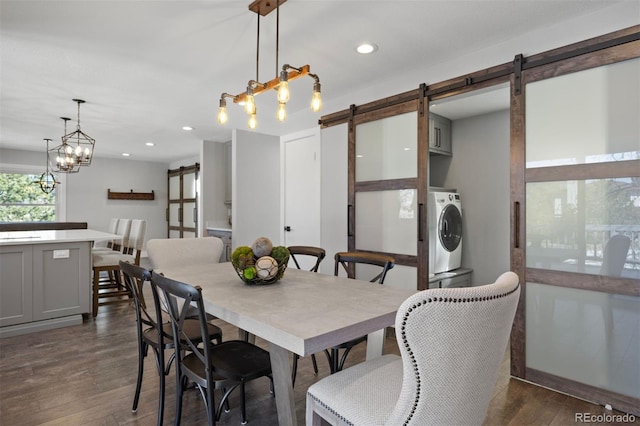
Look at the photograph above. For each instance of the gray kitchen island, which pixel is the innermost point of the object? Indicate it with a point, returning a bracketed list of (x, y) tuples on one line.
[(45, 278)]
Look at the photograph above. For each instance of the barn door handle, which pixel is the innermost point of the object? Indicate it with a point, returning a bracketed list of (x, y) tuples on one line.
[(516, 224), (350, 220), (420, 221), (287, 228)]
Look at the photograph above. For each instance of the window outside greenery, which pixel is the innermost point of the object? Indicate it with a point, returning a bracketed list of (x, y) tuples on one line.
[(22, 200)]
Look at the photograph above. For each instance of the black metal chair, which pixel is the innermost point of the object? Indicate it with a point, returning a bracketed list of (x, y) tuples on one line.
[(348, 260), (319, 254), (154, 332), (223, 366)]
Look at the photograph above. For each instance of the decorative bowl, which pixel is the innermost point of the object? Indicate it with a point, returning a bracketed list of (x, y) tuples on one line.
[(266, 269)]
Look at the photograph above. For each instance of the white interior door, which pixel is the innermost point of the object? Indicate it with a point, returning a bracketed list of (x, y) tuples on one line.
[(301, 189)]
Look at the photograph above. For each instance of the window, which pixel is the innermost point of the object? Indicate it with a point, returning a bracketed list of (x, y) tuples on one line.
[(22, 200)]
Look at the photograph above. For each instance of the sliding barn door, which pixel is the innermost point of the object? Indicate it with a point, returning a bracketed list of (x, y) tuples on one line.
[(182, 211), (387, 189), (576, 239)]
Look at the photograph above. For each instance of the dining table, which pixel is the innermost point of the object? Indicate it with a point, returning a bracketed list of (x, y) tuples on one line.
[(302, 313)]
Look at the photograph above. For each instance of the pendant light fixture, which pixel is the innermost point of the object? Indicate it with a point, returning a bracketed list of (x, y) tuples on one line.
[(47, 180), (81, 143), (280, 82), (65, 154)]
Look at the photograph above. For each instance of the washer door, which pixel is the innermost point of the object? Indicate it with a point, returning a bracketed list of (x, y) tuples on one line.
[(450, 227)]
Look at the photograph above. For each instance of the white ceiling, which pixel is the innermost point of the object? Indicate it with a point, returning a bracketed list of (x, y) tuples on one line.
[(146, 68)]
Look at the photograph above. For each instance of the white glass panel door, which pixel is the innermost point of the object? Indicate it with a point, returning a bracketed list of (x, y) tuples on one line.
[(183, 200), (582, 233), (586, 336), (584, 117), (386, 204), (386, 221), (387, 148)]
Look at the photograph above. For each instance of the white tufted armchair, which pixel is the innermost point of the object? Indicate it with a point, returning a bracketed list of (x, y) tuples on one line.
[(452, 342)]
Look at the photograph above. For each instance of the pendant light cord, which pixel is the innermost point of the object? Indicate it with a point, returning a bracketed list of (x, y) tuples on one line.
[(277, 34), (258, 49)]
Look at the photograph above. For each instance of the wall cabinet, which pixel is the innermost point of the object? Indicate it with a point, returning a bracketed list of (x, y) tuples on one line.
[(439, 134)]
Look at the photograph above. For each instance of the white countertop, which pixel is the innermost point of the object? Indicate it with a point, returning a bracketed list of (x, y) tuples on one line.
[(47, 237)]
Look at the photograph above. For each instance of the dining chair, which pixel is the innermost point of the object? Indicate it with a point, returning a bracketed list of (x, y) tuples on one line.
[(296, 253), (121, 227), (452, 342), (225, 366), (180, 252), (107, 245), (114, 290), (155, 333), (374, 263)]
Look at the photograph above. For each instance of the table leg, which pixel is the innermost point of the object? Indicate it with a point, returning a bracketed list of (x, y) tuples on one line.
[(375, 342), (281, 370)]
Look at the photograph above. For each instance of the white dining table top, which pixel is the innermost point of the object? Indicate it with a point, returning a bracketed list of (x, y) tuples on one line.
[(50, 236), (304, 312)]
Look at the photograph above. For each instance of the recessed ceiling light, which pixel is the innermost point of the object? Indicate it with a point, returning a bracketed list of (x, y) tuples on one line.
[(407, 149), (125, 154), (359, 156), (150, 144), (187, 128), (366, 48)]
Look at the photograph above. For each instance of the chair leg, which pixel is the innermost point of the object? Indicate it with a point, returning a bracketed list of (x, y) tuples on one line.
[(141, 355), (315, 363), (343, 359), (243, 407), (294, 369), (180, 384), (211, 407), (161, 393)]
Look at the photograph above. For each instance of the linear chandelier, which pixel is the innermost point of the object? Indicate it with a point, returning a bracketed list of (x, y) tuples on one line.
[(279, 83), (76, 149)]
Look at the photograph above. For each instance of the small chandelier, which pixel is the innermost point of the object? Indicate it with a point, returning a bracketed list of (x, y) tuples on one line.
[(65, 154), (76, 149), (47, 180), (279, 83)]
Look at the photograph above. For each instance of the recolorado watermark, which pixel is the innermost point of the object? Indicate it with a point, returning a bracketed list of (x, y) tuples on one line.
[(604, 418)]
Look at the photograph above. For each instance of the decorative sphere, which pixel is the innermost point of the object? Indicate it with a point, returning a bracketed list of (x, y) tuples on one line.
[(266, 267), (262, 247)]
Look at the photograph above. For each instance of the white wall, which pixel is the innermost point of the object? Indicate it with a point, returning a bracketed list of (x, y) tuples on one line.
[(256, 187), (479, 170), (334, 195), (213, 182), (86, 191)]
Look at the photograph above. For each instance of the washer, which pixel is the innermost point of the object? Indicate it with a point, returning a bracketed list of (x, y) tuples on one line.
[(444, 215)]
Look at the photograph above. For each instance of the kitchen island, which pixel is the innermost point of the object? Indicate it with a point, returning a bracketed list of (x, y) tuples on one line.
[(45, 278)]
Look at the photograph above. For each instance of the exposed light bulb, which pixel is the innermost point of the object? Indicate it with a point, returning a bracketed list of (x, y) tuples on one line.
[(283, 88), (68, 149), (250, 105), (78, 151), (223, 117), (253, 121), (281, 114), (316, 101)]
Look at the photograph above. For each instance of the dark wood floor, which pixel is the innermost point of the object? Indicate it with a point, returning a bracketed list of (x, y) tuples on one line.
[(85, 375)]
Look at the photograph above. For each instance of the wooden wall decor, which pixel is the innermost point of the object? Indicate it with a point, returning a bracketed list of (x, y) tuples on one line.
[(130, 195)]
